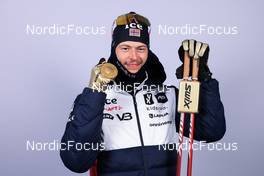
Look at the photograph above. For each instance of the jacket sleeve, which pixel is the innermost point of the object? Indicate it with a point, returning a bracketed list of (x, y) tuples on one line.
[(83, 131), (210, 123)]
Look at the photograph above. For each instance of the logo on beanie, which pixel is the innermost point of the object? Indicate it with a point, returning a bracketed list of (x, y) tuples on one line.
[(134, 26), (134, 29)]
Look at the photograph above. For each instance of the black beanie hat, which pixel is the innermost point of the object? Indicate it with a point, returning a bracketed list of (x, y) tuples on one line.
[(131, 27)]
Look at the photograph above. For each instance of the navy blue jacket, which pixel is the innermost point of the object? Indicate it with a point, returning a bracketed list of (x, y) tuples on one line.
[(85, 125)]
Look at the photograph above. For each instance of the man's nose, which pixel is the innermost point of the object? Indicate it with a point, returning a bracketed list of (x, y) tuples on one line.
[(133, 54)]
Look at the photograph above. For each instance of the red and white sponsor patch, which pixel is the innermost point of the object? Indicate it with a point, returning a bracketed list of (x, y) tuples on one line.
[(113, 108), (134, 32)]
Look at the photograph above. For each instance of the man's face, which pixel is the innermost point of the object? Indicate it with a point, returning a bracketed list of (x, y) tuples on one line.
[(132, 55)]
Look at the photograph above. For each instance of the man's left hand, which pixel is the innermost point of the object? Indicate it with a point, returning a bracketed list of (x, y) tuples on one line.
[(190, 46)]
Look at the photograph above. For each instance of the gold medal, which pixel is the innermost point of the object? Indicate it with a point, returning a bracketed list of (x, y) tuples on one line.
[(108, 71)]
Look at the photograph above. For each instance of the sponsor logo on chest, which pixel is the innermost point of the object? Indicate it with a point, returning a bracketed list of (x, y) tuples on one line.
[(122, 117)]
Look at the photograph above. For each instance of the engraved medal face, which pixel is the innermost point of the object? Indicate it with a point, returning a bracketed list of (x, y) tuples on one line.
[(109, 71)]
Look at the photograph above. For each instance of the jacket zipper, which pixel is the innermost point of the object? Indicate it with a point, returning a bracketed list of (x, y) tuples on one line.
[(141, 137)]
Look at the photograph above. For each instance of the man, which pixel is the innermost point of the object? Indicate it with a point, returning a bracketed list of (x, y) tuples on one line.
[(136, 113)]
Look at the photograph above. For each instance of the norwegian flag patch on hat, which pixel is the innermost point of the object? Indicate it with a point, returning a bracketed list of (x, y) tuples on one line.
[(134, 32)]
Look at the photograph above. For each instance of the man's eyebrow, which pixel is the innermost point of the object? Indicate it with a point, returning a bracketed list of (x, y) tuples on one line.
[(124, 45), (142, 46)]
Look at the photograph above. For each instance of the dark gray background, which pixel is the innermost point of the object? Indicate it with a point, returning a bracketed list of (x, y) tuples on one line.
[(41, 75)]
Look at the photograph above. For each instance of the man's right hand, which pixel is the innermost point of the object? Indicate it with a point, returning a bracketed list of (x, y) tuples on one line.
[(101, 75)]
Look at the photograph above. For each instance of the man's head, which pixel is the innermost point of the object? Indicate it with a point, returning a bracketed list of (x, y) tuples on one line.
[(130, 51), (132, 55), (130, 41)]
